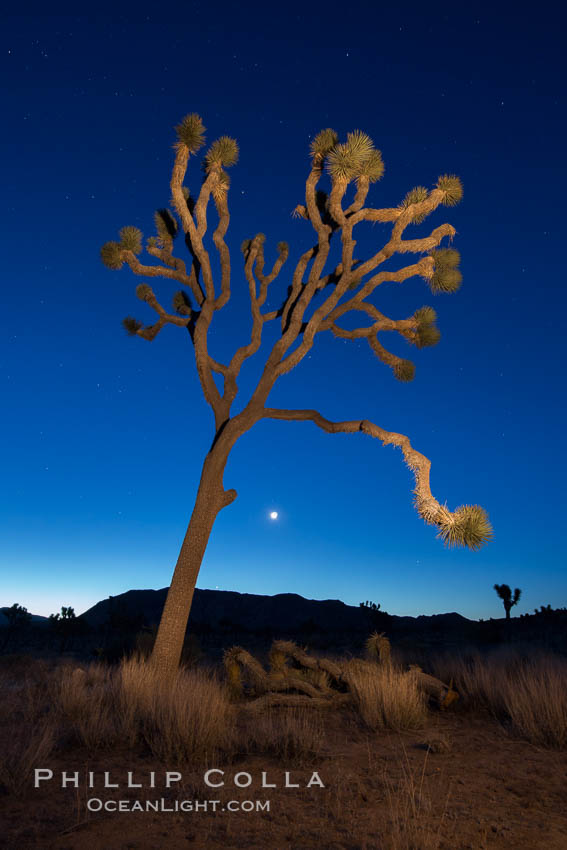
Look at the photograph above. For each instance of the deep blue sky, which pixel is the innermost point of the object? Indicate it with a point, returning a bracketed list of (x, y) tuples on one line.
[(103, 435)]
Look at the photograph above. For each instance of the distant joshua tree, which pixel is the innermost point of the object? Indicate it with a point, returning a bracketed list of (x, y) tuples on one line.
[(17, 616), (66, 625), (505, 594), (315, 302), (372, 606), (19, 619)]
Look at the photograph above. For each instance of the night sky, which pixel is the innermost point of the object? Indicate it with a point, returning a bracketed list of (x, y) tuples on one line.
[(104, 435)]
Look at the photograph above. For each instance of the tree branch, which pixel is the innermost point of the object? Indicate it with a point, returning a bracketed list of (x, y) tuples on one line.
[(177, 177), (202, 359), (467, 525), (221, 203)]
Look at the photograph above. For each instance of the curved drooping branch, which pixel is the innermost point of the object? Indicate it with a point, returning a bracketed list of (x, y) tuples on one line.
[(404, 370), (467, 525)]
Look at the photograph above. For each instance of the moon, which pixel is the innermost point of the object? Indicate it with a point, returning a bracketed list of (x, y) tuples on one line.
[(273, 514)]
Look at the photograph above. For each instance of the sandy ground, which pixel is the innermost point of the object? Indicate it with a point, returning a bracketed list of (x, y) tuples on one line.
[(485, 789)]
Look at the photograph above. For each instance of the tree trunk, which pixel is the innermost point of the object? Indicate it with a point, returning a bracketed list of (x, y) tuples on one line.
[(211, 498), (508, 608)]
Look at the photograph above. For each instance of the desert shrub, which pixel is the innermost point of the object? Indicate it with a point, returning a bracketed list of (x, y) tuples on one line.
[(23, 748), (86, 700), (526, 691), (28, 732), (386, 697), (185, 718), (477, 681), (535, 700)]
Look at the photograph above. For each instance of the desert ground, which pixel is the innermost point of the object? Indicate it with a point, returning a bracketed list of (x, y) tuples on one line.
[(394, 767)]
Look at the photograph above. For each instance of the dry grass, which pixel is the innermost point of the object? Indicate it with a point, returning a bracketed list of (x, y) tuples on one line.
[(191, 719), (386, 697), (527, 693), (85, 699), (536, 702), (23, 748), (295, 736), (400, 801), (187, 718), (28, 731), (417, 816)]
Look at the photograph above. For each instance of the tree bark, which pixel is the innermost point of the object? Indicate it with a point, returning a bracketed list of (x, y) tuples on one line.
[(211, 498)]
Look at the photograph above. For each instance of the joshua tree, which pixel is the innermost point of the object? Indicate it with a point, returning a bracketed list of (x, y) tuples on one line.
[(315, 302), (505, 594), (65, 625), (19, 619)]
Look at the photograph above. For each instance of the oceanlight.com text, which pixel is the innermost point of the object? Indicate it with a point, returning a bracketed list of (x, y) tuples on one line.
[(95, 804)]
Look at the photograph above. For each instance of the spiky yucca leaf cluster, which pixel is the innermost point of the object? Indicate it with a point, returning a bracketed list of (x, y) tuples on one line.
[(425, 315), (111, 255), (378, 648), (446, 280), (222, 187), (466, 526), (245, 246), (453, 188), (260, 238), (447, 257), (151, 242), (447, 277), (283, 248), (191, 132), (181, 303), (404, 370), (131, 239), (415, 196), (427, 332), (324, 142), (223, 151), (300, 211), (354, 158), (360, 144), (373, 167), (232, 668), (131, 325), (166, 225), (144, 292)]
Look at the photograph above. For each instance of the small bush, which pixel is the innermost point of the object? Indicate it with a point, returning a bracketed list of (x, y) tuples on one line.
[(536, 702), (86, 702), (528, 693), (182, 719), (386, 697)]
